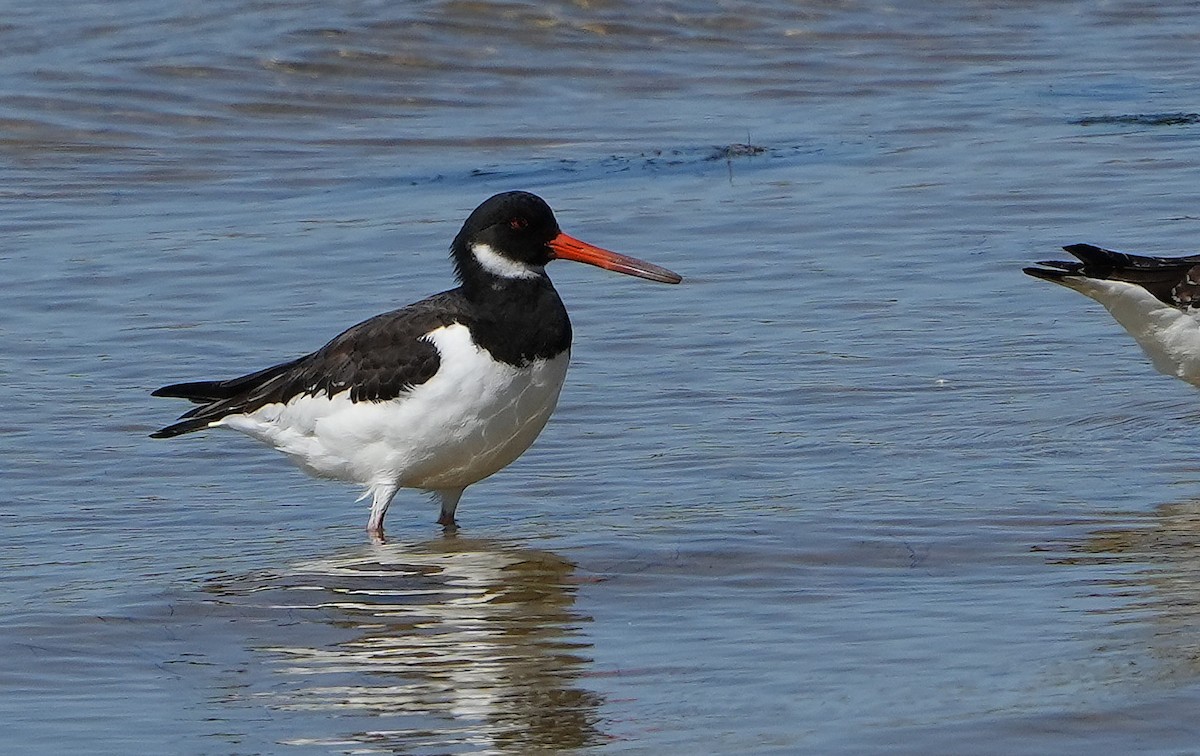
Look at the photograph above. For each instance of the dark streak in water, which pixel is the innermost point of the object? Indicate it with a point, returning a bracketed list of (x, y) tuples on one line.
[(665, 160), (731, 151), (1140, 119)]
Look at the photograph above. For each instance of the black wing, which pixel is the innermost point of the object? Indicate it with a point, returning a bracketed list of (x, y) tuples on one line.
[(1173, 280), (376, 360)]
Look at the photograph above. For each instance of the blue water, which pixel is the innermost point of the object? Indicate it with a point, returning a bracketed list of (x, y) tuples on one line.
[(858, 485)]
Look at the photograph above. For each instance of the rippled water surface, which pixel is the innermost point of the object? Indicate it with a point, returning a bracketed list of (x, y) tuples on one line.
[(858, 485)]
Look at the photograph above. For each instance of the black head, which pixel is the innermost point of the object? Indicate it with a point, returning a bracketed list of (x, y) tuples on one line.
[(511, 237), (507, 236)]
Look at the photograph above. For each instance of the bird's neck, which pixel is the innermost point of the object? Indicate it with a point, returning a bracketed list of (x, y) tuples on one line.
[(518, 320)]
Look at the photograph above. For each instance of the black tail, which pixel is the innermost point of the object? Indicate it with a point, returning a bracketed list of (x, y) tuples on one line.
[(203, 392), (1105, 263), (1055, 270), (1169, 279), (178, 429), (200, 392), (216, 398), (1095, 262)]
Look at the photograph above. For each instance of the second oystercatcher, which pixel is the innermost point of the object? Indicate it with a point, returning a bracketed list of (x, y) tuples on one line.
[(434, 396), (1155, 299)]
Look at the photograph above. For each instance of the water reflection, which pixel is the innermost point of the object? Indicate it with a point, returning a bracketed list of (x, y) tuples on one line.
[(448, 644), (1165, 588)]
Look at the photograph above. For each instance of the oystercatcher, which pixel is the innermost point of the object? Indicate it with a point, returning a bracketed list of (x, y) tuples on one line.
[(1155, 299), (437, 395)]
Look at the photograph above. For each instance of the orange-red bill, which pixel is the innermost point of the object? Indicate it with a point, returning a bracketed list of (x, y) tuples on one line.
[(569, 248)]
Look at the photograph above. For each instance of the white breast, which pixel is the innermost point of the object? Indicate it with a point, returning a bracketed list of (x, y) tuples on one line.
[(1169, 336), (473, 417)]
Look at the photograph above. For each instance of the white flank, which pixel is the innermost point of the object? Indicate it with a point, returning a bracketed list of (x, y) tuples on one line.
[(497, 264), (1169, 336), (474, 417)]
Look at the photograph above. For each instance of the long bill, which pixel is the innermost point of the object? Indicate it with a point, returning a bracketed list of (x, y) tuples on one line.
[(569, 248)]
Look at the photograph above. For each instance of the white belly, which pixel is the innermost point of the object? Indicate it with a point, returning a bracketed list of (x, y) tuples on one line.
[(1169, 336), (472, 418)]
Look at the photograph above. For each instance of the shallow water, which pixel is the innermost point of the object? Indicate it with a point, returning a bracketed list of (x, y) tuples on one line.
[(858, 485)]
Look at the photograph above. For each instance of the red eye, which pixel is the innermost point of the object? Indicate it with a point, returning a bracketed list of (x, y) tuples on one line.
[(518, 223)]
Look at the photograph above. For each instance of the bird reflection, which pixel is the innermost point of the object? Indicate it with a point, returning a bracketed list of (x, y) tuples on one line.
[(1163, 580), (445, 644)]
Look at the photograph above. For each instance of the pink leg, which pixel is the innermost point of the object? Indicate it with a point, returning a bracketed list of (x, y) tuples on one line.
[(381, 497), (449, 498)]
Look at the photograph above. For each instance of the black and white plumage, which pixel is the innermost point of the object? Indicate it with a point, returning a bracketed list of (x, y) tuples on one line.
[(1155, 299), (437, 395)]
